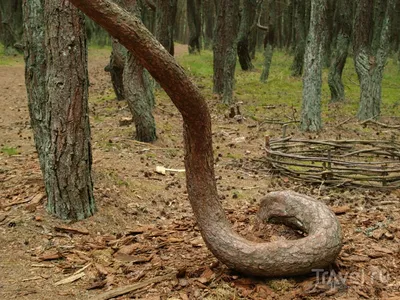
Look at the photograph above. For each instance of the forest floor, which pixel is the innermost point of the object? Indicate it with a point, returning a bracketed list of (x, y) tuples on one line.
[(144, 227)]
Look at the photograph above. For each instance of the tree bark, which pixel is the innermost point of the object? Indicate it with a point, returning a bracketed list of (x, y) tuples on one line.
[(66, 148), (208, 22), (342, 37), (225, 49), (194, 24), (371, 47), (116, 68), (247, 19), (312, 80), (281, 258), (301, 35), (165, 20)]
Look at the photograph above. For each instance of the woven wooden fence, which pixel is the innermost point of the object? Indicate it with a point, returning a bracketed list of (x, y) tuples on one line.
[(357, 163)]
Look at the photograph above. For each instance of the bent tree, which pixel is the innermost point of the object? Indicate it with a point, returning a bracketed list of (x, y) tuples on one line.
[(57, 86), (280, 258)]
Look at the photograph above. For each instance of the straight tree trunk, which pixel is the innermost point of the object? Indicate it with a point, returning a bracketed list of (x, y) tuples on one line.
[(247, 19), (138, 88), (280, 258), (371, 46), (301, 35), (165, 22), (194, 25), (116, 68), (65, 147), (342, 37), (225, 49), (312, 80), (208, 22)]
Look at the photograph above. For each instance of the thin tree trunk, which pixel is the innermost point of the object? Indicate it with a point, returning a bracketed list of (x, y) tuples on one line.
[(268, 53), (312, 80), (247, 19), (281, 258), (208, 23), (342, 37), (165, 21), (194, 24), (225, 49), (301, 33), (58, 105), (116, 68), (11, 18)]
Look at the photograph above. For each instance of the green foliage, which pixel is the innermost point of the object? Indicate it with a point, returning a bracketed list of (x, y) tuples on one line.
[(9, 151), (285, 91)]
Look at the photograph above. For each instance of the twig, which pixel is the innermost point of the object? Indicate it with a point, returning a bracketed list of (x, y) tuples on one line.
[(380, 124), (133, 287)]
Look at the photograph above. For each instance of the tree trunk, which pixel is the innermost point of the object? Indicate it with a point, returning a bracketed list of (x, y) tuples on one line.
[(342, 37), (312, 80), (279, 258), (225, 49), (301, 33), (247, 19), (11, 18), (268, 53), (165, 21), (208, 22), (116, 68), (194, 24), (371, 24), (65, 145)]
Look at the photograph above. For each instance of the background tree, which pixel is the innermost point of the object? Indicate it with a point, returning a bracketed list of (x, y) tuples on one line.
[(138, 87), (341, 36), (57, 85), (11, 24), (247, 19), (208, 16), (371, 48), (225, 48), (312, 79), (268, 43), (116, 68), (165, 22), (194, 25), (301, 28)]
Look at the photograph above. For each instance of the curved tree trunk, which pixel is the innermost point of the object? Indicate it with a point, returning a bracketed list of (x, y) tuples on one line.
[(344, 17), (371, 24), (281, 258), (225, 49), (312, 80), (57, 86), (165, 21), (194, 24)]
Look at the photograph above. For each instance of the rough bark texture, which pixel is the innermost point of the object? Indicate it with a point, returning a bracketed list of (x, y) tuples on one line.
[(165, 20), (247, 19), (225, 48), (35, 76), (343, 21), (282, 258), (64, 147), (116, 68), (194, 24), (371, 47), (11, 19), (312, 80)]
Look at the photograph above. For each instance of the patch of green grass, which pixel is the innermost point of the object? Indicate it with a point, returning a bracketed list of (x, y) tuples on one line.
[(8, 58), (9, 151), (284, 91)]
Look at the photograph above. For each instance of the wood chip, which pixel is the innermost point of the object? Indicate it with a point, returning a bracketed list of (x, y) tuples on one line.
[(35, 202), (356, 258), (67, 229), (70, 279), (50, 255), (131, 288), (340, 210)]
